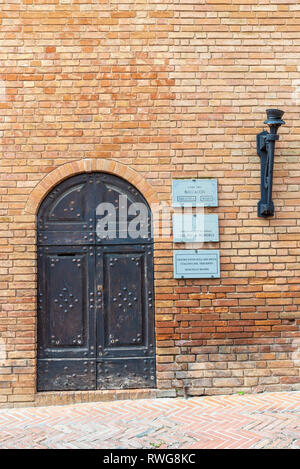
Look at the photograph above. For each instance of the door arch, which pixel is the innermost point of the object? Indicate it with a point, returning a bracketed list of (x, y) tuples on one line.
[(95, 286)]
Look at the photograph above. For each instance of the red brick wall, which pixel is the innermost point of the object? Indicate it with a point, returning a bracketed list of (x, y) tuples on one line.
[(169, 89)]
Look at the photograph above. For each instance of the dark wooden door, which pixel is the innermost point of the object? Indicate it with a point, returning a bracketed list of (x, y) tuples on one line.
[(95, 287)]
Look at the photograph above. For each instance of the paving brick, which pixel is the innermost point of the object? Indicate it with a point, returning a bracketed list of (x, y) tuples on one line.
[(231, 422), (160, 92)]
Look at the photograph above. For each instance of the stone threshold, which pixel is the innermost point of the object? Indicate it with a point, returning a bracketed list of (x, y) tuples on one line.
[(75, 397)]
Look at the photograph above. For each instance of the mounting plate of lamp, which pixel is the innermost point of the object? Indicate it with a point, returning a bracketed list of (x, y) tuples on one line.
[(265, 150)]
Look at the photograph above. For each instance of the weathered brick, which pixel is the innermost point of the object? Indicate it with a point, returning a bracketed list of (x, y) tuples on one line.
[(160, 92)]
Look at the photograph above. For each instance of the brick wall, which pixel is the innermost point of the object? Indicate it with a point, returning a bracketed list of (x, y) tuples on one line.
[(173, 88)]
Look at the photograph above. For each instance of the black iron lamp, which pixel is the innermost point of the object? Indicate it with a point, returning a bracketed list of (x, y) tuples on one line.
[(265, 149)]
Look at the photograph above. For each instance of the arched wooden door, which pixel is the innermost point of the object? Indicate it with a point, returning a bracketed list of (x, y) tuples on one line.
[(95, 286)]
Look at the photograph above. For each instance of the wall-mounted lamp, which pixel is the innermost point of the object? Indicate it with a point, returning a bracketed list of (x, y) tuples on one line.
[(265, 150)]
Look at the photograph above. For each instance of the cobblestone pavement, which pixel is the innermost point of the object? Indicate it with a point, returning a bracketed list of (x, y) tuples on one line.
[(270, 420)]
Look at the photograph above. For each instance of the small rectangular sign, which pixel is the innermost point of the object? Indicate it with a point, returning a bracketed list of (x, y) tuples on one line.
[(195, 193), (189, 228), (197, 264)]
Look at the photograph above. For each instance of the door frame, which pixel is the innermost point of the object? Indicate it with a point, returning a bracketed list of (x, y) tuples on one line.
[(86, 165)]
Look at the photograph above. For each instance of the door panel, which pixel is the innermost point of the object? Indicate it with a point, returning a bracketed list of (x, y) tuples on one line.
[(66, 318), (127, 202), (124, 308), (95, 307), (67, 216), (70, 206), (126, 373), (67, 299), (66, 375), (54, 238), (126, 315), (65, 312)]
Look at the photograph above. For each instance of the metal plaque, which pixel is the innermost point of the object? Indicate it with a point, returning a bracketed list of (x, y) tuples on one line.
[(190, 228), (195, 193), (197, 264)]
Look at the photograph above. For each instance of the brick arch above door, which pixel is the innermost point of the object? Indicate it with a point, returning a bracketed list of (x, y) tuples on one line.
[(83, 166)]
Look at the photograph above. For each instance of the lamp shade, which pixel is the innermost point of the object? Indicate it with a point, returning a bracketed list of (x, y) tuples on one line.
[(274, 117)]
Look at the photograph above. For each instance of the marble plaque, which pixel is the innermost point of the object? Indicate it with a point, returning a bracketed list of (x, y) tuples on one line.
[(195, 228), (197, 264), (195, 193)]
